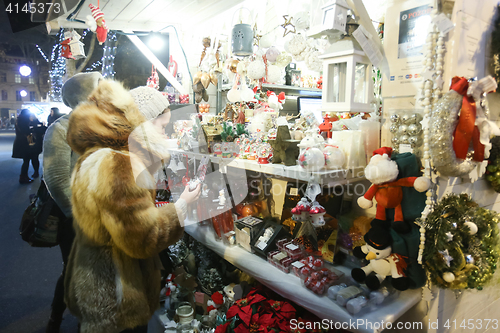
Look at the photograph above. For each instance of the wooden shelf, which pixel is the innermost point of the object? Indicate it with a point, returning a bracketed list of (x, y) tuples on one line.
[(290, 286), (328, 178)]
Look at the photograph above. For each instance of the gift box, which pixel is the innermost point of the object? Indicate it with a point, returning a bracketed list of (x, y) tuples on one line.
[(247, 230), (266, 238), (293, 250)]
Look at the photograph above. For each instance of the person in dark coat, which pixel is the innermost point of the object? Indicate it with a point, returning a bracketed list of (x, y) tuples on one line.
[(54, 115), (24, 146)]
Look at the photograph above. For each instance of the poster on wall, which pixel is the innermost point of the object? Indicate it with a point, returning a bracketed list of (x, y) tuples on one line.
[(405, 32)]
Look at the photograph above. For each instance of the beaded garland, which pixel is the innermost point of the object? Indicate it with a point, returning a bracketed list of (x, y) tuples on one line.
[(429, 94)]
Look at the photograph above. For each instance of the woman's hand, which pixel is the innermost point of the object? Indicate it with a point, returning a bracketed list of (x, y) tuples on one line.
[(191, 196)]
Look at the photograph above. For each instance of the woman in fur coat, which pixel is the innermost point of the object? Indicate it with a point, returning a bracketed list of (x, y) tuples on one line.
[(113, 275)]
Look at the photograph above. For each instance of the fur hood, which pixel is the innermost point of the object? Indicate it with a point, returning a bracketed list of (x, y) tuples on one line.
[(111, 119)]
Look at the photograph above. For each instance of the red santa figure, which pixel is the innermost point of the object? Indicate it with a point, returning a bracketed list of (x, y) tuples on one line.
[(101, 30), (386, 188)]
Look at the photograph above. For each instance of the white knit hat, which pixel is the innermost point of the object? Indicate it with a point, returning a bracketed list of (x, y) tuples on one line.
[(150, 101)]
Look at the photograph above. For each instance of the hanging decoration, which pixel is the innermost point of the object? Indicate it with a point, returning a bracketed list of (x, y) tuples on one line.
[(154, 79), (288, 22), (462, 245), (449, 130), (99, 25), (58, 69), (108, 55)]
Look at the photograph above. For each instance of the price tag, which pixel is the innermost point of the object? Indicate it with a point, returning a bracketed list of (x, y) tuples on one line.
[(292, 247), (405, 148), (443, 23), (220, 207), (261, 245), (294, 191)]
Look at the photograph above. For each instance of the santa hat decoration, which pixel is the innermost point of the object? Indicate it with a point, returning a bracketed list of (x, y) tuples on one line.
[(378, 237), (215, 302), (382, 151), (96, 12)]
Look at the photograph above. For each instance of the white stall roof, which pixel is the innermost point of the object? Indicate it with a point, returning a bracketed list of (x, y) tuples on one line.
[(144, 15)]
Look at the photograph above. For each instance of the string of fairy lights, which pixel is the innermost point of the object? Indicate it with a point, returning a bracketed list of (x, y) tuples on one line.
[(108, 55), (58, 69), (42, 53)]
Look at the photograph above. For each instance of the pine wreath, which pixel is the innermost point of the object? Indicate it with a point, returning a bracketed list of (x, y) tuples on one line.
[(454, 256)]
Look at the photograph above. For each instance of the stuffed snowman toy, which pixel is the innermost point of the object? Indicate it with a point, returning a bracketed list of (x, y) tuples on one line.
[(386, 188), (383, 262)]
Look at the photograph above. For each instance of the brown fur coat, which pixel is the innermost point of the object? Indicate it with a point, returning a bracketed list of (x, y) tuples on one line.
[(113, 277)]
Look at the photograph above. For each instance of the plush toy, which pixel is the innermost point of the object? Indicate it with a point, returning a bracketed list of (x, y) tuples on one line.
[(101, 27), (214, 303), (383, 172), (383, 262)]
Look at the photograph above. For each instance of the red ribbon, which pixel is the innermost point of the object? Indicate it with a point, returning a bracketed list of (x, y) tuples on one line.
[(466, 130)]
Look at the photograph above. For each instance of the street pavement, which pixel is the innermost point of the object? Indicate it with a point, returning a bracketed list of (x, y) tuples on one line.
[(28, 275)]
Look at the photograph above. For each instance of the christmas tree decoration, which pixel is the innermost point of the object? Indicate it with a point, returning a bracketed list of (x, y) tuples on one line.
[(108, 55), (288, 23), (465, 260)]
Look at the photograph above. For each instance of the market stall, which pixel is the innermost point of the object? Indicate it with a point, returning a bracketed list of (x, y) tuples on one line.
[(354, 178)]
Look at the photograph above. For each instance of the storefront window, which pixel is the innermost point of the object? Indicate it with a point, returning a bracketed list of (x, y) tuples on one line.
[(4, 95), (18, 78), (33, 96)]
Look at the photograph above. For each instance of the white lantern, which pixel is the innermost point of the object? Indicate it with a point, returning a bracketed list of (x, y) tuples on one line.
[(347, 78), (334, 15), (77, 49)]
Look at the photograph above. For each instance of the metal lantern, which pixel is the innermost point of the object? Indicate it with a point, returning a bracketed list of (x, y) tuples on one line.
[(242, 39), (334, 15), (347, 78)]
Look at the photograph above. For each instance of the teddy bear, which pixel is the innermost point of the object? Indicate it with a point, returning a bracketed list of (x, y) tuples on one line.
[(383, 172)]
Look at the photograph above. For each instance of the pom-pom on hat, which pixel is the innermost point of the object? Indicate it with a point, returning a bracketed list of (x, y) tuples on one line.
[(150, 101)]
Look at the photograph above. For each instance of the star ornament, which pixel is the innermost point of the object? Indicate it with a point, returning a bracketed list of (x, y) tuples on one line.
[(449, 237), (446, 257), (428, 74), (288, 22), (256, 39)]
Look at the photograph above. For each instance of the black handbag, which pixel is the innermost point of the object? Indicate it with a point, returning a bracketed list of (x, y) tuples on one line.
[(42, 220)]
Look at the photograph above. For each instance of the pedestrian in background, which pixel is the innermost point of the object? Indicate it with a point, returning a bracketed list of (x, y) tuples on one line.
[(24, 146), (54, 115)]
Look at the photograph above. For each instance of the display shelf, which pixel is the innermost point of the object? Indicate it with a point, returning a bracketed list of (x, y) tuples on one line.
[(290, 287), (328, 178), (284, 87)]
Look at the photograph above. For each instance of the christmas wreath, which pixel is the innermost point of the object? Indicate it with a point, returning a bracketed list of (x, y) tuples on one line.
[(461, 243)]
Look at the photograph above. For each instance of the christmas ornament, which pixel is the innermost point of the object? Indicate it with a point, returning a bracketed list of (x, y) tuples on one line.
[(256, 70), (273, 74), (233, 65), (472, 227), (449, 277), (312, 159), (317, 212), (287, 25), (272, 54), (205, 80), (283, 60), (101, 29), (334, 157)]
